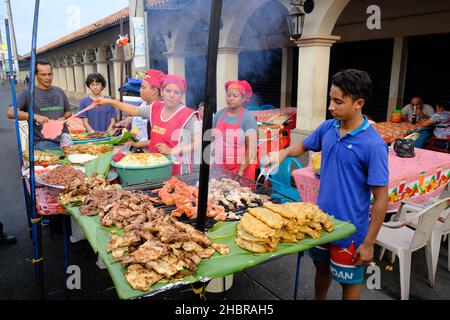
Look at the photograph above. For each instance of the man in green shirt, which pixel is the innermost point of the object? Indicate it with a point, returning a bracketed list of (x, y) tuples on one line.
[(50, 103)]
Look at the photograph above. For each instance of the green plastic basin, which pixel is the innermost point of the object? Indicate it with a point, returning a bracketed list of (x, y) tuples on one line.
[(138, 174)]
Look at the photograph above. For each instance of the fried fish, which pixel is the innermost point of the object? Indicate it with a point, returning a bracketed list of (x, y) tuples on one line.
[(315, 234), (252, 246), (280, 209), (286, 236), (247, 236), (272, 219), (255, 227)]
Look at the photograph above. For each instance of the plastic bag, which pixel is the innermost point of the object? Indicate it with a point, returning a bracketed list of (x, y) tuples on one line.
[(404, 148), (66, 140), (315, 160), (123, 148)]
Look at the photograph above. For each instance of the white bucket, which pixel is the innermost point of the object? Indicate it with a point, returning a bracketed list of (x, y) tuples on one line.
[(23, 130), (77, 233), (216, 285)]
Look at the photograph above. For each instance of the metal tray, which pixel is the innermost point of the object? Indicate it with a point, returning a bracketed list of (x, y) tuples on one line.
[(192, 178)]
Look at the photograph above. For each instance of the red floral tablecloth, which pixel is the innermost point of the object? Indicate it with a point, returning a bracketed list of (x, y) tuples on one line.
[(417, 179), (47, 202), (265, 115), (270, 137), (390, 131)]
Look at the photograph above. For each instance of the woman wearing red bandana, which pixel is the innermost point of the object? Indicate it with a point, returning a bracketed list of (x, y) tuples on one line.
[(174, 127), (235, 138), (150, 92)]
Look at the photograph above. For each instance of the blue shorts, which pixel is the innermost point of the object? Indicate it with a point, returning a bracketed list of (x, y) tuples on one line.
[(341, 263)]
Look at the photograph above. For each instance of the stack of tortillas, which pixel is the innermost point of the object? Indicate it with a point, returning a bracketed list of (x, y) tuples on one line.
[(260, 229)]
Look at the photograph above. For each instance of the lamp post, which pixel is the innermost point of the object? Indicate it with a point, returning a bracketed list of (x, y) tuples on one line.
[(296, 16)]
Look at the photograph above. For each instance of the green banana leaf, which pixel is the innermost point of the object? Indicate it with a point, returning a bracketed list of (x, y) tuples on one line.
[(120, 139), (217, 266), (99, 165), (88, 224), (58, 153)]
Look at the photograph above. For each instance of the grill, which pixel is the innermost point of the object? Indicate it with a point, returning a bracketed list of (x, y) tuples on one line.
[(192, 179)]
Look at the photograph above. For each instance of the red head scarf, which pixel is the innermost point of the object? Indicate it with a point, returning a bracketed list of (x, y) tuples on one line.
[(154, 77), (176, 80), (242, 86)]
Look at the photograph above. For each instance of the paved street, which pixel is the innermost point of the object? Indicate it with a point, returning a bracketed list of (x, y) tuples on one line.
[(272, 280)]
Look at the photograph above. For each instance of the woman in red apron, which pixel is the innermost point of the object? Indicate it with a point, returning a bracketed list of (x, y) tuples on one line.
[(235, 128), (167, 118)]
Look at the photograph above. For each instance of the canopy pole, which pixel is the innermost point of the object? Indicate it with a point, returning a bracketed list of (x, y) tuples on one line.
[(16, 124), (210, 107), (122, 67), (38, 259)]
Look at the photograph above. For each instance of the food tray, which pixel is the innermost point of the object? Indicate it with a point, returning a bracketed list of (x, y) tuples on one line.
[(41, 182), (91, 140), (138, 174)]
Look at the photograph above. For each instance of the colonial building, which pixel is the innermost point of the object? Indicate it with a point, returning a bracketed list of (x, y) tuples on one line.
[(403, 44), (90, 49)]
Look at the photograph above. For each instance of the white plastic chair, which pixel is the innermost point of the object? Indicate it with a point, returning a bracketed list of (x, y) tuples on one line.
[(440, 232), (395, 236), (441, 229)]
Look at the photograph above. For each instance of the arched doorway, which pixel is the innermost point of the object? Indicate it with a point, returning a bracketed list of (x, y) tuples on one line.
[(157, 49), (260, 61), (196, 46)]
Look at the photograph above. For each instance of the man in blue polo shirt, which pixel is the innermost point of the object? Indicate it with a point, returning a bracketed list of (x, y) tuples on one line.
[(354, 164)]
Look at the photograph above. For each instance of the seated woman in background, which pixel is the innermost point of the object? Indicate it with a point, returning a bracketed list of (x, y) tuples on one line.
[(97, 119), (441, 121)]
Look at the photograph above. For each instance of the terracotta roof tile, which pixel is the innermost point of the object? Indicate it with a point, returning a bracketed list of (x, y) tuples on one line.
[(89, 29)]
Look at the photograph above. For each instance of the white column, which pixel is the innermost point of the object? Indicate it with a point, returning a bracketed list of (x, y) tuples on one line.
[(88, 68), (62, 78), (102, 68), (286, 78), (227, 69), (313, 69), (116, 86), (79, 78), (398, 75), (55, 81), (70, 79), (176, 65)]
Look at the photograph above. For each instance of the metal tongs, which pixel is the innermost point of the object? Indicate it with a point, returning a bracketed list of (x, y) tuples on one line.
[(262, 173)]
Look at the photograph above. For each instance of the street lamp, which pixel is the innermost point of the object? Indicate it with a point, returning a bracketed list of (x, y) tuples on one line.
[(296, 16)]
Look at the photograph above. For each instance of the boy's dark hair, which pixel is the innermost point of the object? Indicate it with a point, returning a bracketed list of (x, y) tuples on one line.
[(42, 63), (354, 83), (444, 105), (95, 77)]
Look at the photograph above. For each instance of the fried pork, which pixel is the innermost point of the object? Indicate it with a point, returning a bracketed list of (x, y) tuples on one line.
[(161, 248), (141, 278)]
